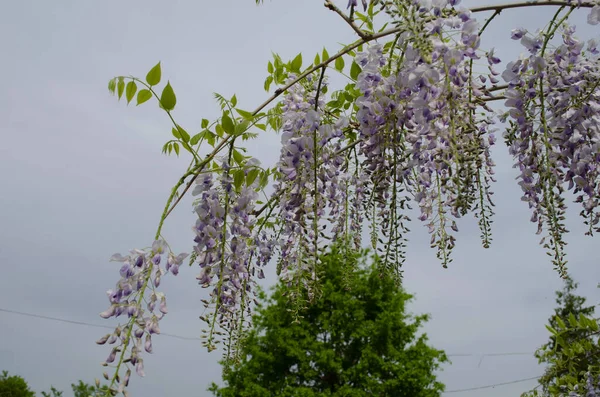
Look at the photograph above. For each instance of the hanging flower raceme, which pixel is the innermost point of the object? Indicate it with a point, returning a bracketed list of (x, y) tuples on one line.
[(136, 297), (311, 180), (422, 123), (554, 103), (226, 244), (381, 147)]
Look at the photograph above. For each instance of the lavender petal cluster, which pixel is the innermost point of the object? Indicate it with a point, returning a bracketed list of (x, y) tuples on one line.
[(136, 297), (311, 180), (229, 248), (427, 109), (554, 110)]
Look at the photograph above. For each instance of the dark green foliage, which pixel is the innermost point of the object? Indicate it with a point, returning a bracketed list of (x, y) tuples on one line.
[(53, 393), (14, 386), (355, 341), (573, 348), (84, 390)]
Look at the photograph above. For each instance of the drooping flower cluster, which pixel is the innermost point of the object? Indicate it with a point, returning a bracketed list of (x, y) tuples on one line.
[(419, 126), (227, 244), (135, 295), (554, 110), (311, 180)]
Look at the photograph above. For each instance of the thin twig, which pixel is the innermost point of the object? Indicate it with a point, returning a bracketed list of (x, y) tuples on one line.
[(506, 6), (342, 52), (496, 88), (199, 170), (391, 31), (333, 7)]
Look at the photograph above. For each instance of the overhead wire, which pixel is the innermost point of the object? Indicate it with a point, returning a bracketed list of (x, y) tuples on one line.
[(491, 386), (75, 322), (63, 320)]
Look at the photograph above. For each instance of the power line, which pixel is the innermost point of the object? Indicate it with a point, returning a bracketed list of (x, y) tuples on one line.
[(492, 386), (490, 354), (62, 320)]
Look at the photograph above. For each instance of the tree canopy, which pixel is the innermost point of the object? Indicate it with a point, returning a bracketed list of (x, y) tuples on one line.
[(14, 386), (356, 338), (573, 350)]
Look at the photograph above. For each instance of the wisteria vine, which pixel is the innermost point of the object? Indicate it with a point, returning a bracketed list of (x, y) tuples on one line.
[(413, 125)]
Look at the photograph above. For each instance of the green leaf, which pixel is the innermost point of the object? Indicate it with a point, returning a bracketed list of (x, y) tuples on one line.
[(325, 55), (168, 98), (297, 63), (130, 91), (339, 64), (211, 139), (245, 114), (175, 133), (112, 85), (264, 180), (354, 70), (143, 95), (276, 61), (238, 157), (317, 60), (233, 100), (219, 130), (240, 128), (261, 126), (176, 147), (184, 134), (205, 123), (552, 330), (228, 125), (238, 179), (270, 67), (572, 320), (279, 76), (196, 138), (268, 82), (154, 75), (252, 175), (120, 87)]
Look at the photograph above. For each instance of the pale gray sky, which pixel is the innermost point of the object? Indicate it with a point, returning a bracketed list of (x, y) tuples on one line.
[(83, 177)]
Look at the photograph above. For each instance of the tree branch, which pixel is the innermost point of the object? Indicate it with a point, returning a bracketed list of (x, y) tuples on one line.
[(333, 7), (506, 6), (388, 32), (200, 167), (342, 52)]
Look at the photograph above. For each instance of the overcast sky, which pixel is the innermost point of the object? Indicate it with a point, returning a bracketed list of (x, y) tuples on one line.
[(82, 177)]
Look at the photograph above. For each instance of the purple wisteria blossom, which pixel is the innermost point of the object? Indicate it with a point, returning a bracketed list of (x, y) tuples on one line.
[(559, 145), (354, 3), (422, 124), (311, 181), (136, 297), (228, 244)]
